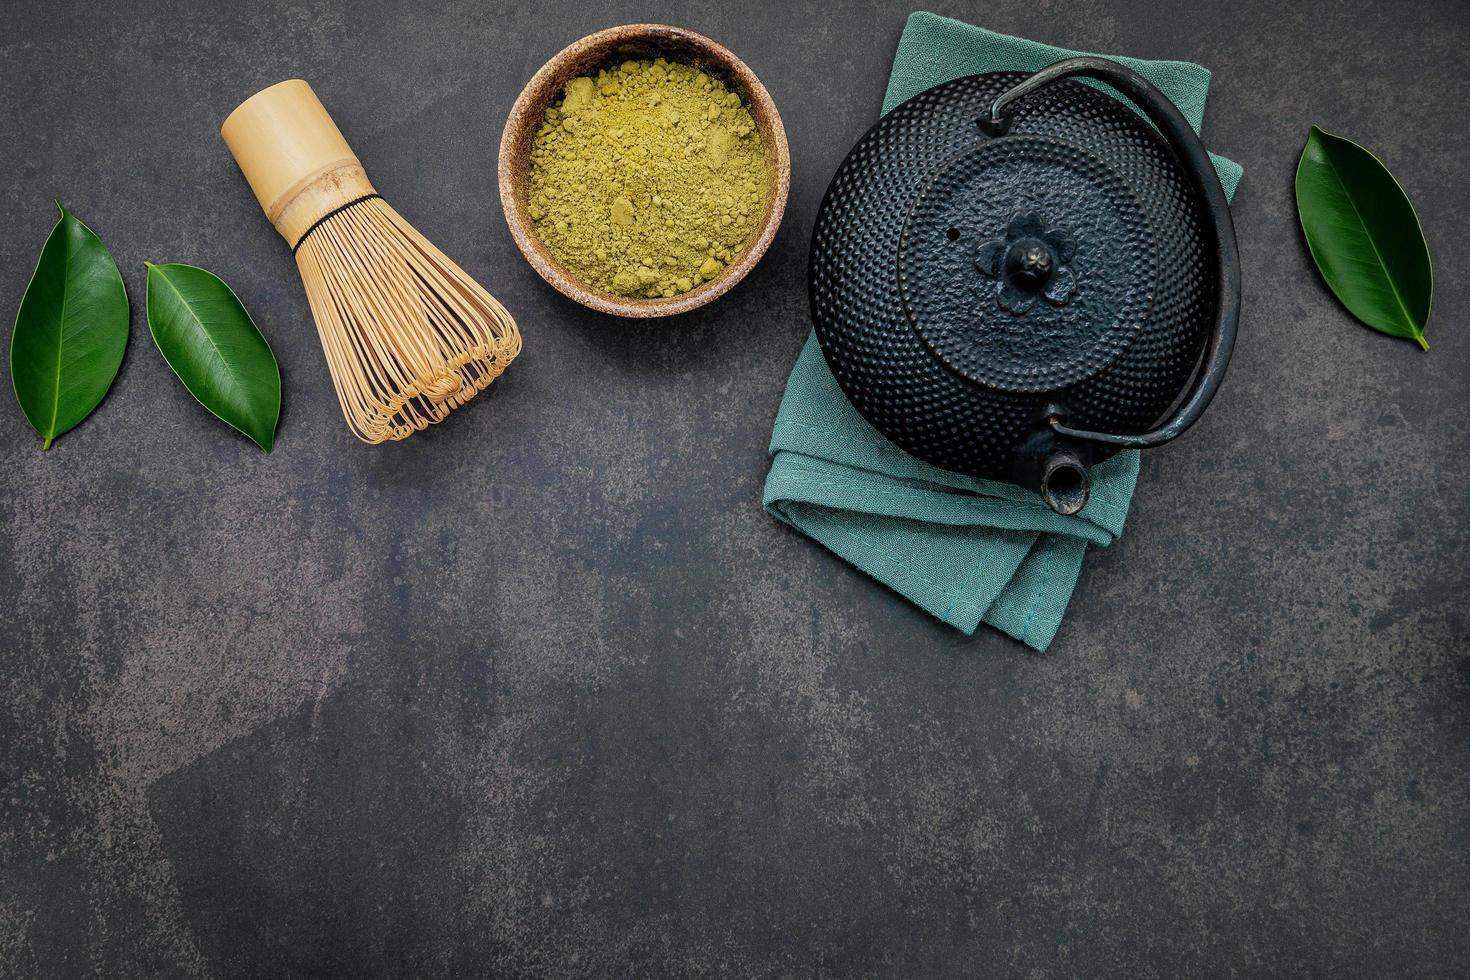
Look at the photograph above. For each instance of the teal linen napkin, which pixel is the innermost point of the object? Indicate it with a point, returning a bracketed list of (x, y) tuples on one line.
[(966, 550)]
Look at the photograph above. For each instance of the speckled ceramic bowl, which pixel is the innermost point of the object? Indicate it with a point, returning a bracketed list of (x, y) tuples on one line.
[(616, 44)]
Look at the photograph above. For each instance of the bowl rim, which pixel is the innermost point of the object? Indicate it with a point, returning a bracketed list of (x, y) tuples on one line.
[(523, 229)]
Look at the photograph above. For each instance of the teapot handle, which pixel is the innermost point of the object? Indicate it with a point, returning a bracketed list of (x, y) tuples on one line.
[(1191, 152)]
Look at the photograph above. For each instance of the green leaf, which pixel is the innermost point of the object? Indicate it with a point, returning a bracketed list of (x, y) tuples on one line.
[(1364, 236), (70, 332), (209, 340)]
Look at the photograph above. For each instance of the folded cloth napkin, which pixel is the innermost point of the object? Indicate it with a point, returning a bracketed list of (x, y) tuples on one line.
[(966, 550)]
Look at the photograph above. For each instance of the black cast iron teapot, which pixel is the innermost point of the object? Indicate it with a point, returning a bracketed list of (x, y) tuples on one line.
[(1015, 276)]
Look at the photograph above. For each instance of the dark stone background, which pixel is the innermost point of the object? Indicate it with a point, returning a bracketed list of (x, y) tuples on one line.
[(544, 693)]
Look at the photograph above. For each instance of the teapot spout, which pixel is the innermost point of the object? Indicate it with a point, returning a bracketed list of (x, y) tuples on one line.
[(1057, 469)]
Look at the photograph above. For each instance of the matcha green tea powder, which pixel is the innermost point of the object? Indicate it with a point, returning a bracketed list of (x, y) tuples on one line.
[(648, 179)]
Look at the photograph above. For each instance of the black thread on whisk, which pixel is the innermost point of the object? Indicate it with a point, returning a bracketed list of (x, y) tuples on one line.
[(326, 217)]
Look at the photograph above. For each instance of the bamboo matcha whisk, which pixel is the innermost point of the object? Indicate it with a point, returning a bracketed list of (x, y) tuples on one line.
[(408, 336)]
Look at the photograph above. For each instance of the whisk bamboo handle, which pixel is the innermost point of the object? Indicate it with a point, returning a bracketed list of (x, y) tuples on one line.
[(294, 157)]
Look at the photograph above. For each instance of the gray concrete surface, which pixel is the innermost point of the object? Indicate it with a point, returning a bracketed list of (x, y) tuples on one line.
[(544, 693)]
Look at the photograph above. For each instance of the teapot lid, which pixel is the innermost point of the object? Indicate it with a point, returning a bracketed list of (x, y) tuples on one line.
[(1002, 220), (1006, 262)]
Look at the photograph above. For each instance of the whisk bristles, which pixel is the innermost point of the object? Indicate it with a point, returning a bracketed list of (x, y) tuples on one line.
[(409, 337)]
